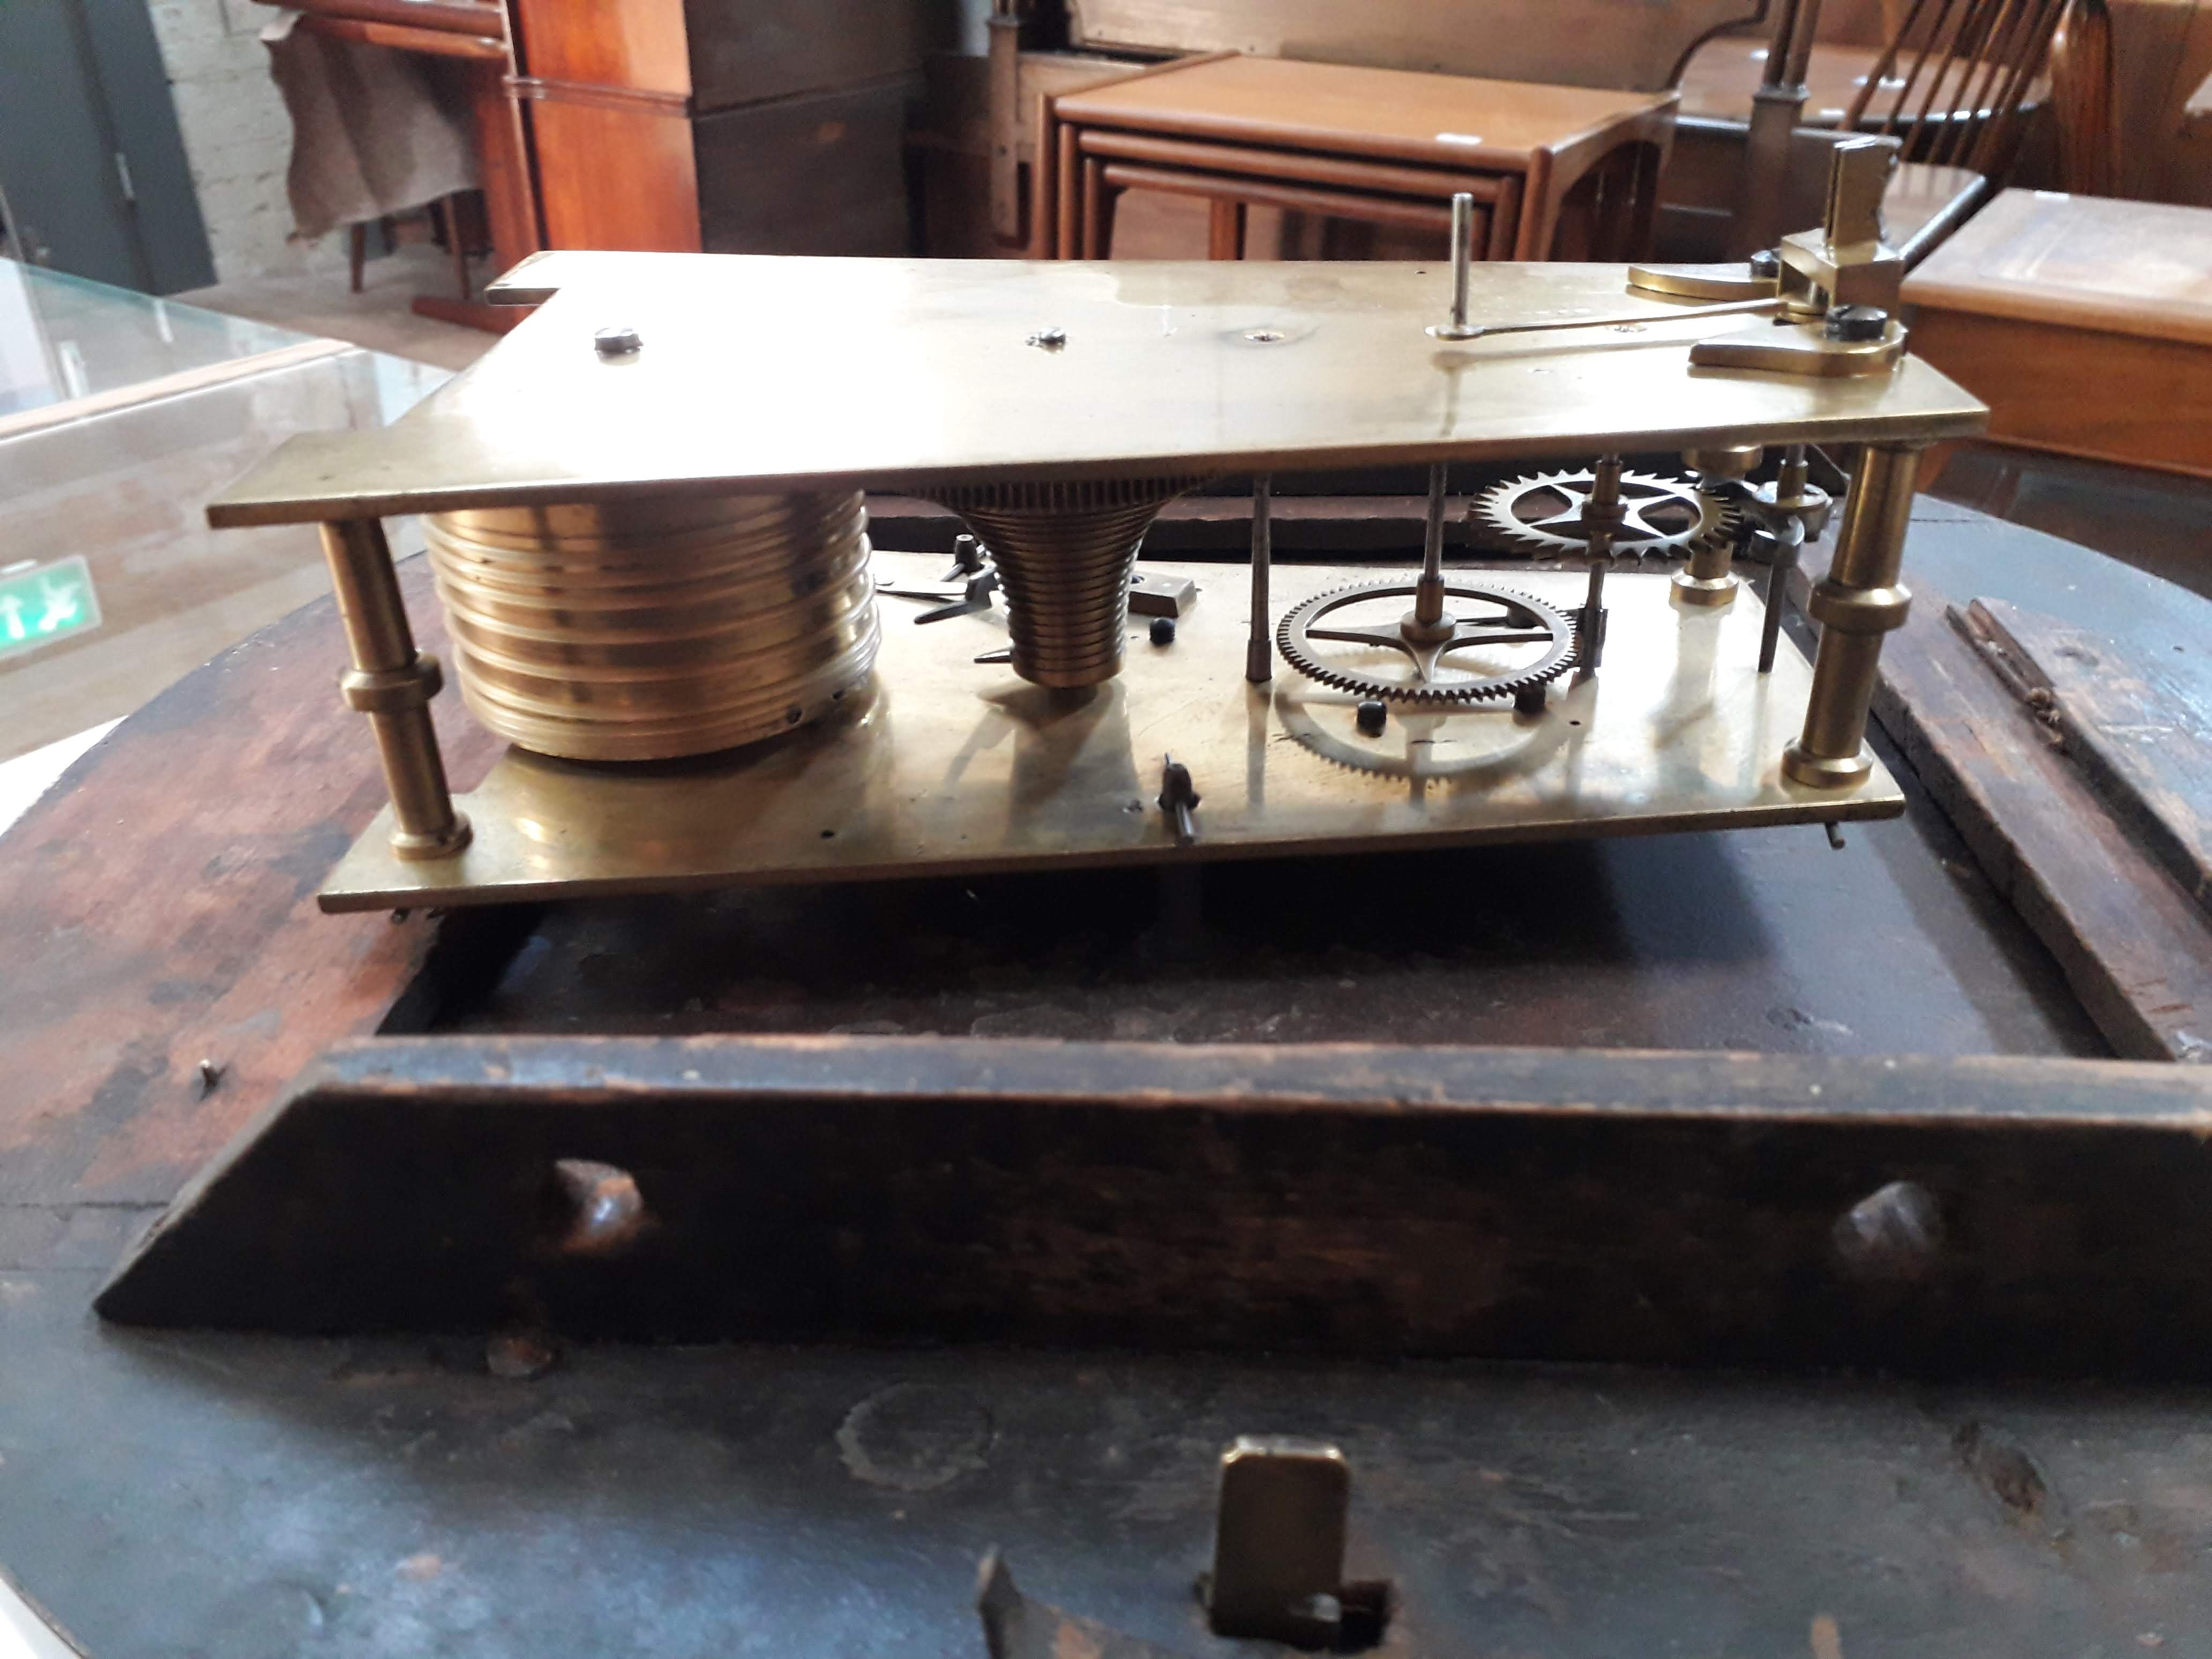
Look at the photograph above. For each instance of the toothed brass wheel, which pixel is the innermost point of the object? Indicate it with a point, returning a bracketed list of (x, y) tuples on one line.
[(1659, 515), (1500, 624)]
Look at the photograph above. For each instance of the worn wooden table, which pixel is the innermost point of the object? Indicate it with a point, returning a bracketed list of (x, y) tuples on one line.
[(167, 1493), (2085, 323)]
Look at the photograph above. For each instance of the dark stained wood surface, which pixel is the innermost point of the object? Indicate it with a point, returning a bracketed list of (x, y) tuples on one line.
[(821, 173), (2141, 735), (159, 911), (757, 128), (2135, 946), (1381, 1200), (744, 52)]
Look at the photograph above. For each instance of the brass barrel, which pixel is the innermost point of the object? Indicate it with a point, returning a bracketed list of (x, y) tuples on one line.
[(1064, 553), (651, 629)]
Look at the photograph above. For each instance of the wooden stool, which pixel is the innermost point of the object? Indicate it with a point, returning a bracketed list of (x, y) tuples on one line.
[(1553, 170), (2084, 322)]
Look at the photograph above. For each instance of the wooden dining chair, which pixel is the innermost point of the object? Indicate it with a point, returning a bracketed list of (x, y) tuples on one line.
[(1955, 84), (1953, 79)]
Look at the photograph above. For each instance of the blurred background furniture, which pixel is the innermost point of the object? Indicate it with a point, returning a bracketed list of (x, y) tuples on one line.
[(1575, 43), (1566, 172), (1960, 84), (734, 126), (401, 104), (457, 224), (2084, 322), (1040, 50), (762, 126), (2161, 51)]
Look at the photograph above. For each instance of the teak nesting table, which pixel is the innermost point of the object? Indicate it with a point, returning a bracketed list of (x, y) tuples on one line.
[(1562, 172)]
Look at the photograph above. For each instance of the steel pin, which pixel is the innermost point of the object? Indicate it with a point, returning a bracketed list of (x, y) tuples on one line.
[(1258, 649), (1462, 237)]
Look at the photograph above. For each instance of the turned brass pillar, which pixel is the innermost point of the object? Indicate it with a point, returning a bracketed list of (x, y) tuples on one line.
[(1858, 602), (393, 684)]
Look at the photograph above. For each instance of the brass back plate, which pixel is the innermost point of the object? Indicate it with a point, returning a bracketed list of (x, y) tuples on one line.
[(949, 767)]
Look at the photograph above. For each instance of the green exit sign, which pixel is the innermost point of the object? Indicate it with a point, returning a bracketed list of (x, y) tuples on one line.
[(46, 603)]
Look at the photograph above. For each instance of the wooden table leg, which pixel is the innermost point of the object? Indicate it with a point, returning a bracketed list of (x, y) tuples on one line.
[(1540, 210), (1645, 207), (1504, 220), (510, 203), (1224, 230), (1097, 212), (1069, 243)]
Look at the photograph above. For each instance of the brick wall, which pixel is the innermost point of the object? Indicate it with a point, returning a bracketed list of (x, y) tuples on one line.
[(237, 136)]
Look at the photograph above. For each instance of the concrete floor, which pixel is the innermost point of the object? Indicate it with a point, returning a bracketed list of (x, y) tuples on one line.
[(377, 318)]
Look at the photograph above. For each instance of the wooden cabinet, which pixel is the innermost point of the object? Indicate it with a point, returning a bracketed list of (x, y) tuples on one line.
[(726, 126)]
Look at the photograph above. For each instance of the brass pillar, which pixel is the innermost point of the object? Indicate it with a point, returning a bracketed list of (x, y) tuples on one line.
[(393, 684), (1856, 603)]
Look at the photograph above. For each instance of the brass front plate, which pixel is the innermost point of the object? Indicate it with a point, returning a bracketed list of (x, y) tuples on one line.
[(947, 767), (760, 373)]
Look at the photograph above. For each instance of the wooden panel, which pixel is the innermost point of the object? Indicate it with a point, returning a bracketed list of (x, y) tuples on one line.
[(616, 178), (1373, 177), (2140, 268), (467, 17), (2141, 734), (1584, 42), (1685, 1208), (2161, 50), (746, 50), (2077, 392), (618, 42), (510, 191), (396, 37), (2134, 946), (823, 174)]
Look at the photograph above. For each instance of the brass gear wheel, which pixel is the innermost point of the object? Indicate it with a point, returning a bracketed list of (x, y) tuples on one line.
[(1416, 755), (1519, 620), (1543, 514)]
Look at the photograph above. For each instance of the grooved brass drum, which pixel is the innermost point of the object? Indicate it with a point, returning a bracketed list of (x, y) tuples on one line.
[(1065, 551), (650, 628)]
